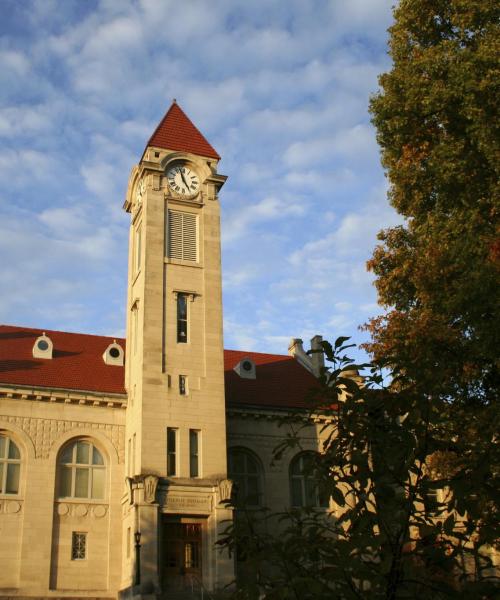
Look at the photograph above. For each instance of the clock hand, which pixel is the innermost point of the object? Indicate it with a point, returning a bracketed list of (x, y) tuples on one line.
[(184, 180)]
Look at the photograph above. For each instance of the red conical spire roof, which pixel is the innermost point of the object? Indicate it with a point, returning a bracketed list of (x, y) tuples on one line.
[(177, 132)]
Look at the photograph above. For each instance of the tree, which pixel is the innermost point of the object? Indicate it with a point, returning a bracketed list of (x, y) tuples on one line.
[(438, 274), (389, 536), (434, 427), (437, 123)]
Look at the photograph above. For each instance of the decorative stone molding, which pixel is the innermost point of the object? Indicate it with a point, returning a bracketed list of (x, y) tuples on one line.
[(99, 511), (147, 483), (72, 509), (130, 493), (10, 506), (256, 414), (44, 432), (65, 397), (150, 485), (225, 490)]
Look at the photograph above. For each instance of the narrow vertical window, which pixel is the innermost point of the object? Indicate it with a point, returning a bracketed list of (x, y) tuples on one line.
[(182, 385), (133, 455), (194, 453), (182, 318), (129, 456), (138, 249), (78, 546), (135, 322), (171, 452), (129, 535)]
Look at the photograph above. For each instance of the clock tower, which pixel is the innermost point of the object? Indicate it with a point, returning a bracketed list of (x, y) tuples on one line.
[(176, 422)]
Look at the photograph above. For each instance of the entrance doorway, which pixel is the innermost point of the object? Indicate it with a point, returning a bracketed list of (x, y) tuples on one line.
[(181, 556)]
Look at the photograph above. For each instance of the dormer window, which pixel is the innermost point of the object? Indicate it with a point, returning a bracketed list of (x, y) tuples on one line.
[(114, 355), (246, 369), (43, 347)]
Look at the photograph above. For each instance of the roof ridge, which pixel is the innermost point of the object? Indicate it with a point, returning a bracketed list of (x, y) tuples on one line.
[(121, 338), (261, 353), (44, 329)]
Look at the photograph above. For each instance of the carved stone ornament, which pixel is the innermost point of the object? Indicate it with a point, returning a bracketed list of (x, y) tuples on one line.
[(140, 192), (150, 485), (225, 490), (130, 493)]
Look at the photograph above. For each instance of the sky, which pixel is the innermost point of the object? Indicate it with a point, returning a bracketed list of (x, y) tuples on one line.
[(279, 88)]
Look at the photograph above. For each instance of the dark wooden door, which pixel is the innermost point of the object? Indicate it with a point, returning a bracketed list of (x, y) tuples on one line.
[(181, 555)]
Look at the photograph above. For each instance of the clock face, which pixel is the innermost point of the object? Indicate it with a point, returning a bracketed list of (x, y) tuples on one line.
[(183, 181)]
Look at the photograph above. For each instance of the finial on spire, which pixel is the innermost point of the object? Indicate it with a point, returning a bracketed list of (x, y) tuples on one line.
[(174, 100)]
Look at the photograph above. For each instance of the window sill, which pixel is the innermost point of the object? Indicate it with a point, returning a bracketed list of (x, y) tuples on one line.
[(81, 501), (183, 263)]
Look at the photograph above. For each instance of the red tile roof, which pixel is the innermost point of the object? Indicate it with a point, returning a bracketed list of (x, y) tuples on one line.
[(77, 364), (281, 382), (177, 132)]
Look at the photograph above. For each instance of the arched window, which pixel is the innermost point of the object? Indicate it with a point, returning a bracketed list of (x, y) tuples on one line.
[(244, 469), (10, 466), (82, 472), (303, 482)]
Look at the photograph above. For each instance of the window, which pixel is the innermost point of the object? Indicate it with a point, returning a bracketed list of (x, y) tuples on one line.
[(182, 318), (244, 469), (129, 541), (182, 236), (194, 459), (135, 326), (432, 501), (303, 482), (129, 456), (82, 471), (10, 466), (182, 385), (171, 452), (138, 249), (133, 454), (78, 546)]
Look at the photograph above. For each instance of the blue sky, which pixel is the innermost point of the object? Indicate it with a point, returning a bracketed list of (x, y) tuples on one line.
[(281, 91)]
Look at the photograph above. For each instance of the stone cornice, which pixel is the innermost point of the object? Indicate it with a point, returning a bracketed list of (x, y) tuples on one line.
[(274, 413), (63, 396)]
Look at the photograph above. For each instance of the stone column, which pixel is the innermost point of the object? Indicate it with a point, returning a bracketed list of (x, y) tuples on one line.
[(224, 573), (146, 523)]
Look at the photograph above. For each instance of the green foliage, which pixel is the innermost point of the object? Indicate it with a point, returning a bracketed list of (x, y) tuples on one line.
[(437, 125), (438, 275), (388, 536)]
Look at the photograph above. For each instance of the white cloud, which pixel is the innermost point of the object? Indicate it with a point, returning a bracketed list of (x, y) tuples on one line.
[(14, 62), (16, 120), (26, 166), (67, 222), (268, 209), (357, 143)]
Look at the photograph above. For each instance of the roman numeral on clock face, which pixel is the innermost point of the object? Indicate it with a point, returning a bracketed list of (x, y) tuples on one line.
[(182, 180)]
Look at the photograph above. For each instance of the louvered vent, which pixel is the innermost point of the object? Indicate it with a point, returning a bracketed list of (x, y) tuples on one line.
[(182, 236)]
